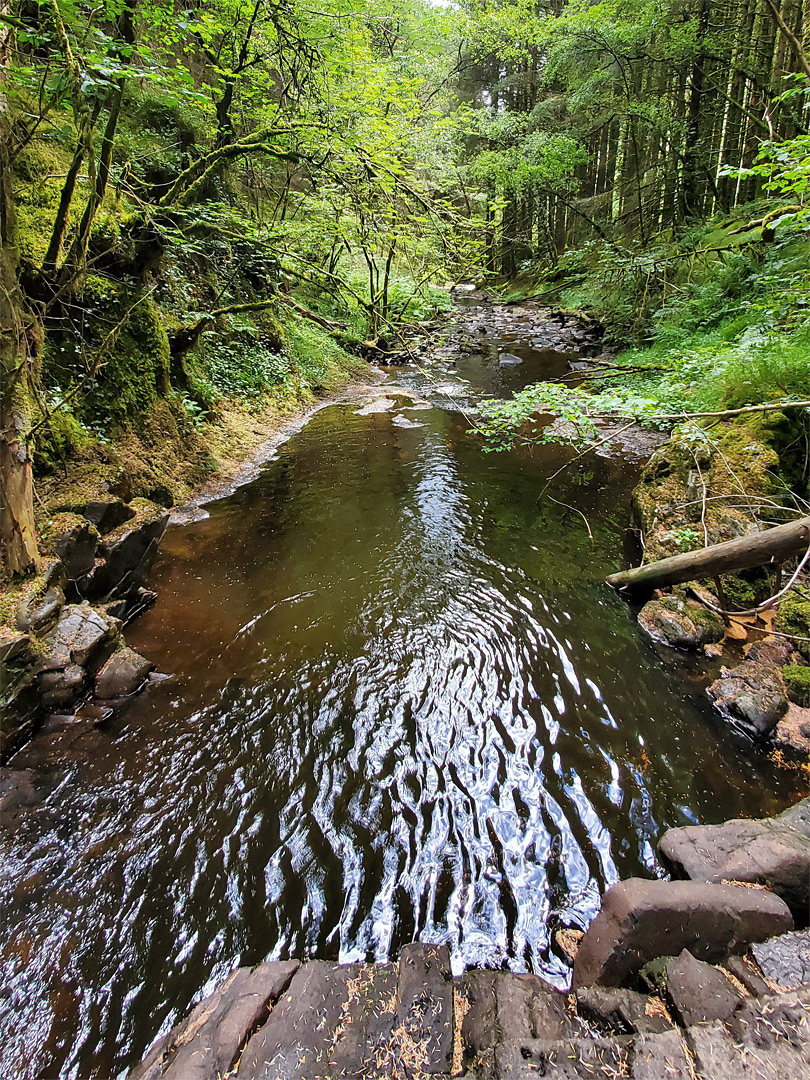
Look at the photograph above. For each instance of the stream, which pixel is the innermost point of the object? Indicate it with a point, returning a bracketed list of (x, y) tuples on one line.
[(403, 705)]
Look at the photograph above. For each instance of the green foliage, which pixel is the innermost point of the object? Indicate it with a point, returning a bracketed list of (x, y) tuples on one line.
[(243, 366)]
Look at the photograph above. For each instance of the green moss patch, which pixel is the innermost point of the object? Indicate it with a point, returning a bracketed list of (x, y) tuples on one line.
[(797, 681)]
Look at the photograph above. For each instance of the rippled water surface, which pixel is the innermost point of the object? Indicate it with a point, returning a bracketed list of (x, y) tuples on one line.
[(403, 706)]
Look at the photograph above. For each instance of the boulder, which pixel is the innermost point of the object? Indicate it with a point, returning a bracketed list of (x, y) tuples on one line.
[(785, 959), (81, 637), (207, 1044), (509, 359), (769, 852), (77, 549), (128, 555), (108, 514), (61, 686), (123, 674), (38, 614), (641, 920), (680, 623), (14, 646), (699, 992), (751, 695)]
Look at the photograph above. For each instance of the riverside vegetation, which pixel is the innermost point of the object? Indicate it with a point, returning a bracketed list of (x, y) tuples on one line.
[(208, 215)]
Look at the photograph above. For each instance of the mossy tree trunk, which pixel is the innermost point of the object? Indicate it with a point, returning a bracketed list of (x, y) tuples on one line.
[(18, 539)]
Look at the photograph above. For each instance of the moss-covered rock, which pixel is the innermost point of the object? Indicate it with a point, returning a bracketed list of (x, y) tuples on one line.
[(683, 624), (734, 458), (793, 618), (797, 681)]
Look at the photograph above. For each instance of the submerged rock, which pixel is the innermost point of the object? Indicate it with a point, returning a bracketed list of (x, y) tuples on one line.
[(752, 695), (683, 624), (642, 920)]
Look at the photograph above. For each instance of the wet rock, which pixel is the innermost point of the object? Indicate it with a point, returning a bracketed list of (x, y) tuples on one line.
[(424, 1001), (661, 1055), (508, 359), (108, 514), (751, 695), (642, 920), (13, 646), (785, 959), (207, 1044), (622, 1011), (61, 686), (81, 637), (766, 852), (682, 624), (95, 712), (128, 554), (77, 549), (771, 651), (123, 674), (38, 614), (699, 992), (17, 789)]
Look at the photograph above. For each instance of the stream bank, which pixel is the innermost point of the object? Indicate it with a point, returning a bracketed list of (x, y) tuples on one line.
[(403, 706)]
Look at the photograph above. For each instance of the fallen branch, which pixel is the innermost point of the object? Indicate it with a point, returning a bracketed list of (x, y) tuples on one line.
[(772, 546)]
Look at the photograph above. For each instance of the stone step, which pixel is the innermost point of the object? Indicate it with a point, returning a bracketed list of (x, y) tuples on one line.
[(326, 1021)]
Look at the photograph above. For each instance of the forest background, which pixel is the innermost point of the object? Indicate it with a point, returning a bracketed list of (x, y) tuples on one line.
[(224, 204)]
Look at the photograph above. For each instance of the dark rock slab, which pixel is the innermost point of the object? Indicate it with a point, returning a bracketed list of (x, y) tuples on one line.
[(424, 1005), (128, 555), (62, 686), (38, 614), (753, 696), (642, 920), (563, 1059), (745, 971), (76, 548), (622, 1012), (108, 514), (767, 1037), (14, 646), (768, 852), (80, 636), (479, 1026), (296, 1041), (528, 1007), (661, 1056), (207, 1043), (699, 992), (123, 674), (785, 959), (361, 1045)]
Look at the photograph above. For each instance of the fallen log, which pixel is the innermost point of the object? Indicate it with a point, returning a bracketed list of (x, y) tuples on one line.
[(771, 546)]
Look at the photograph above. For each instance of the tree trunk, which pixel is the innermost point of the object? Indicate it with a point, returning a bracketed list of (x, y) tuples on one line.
[(18, 539), (772, 546)]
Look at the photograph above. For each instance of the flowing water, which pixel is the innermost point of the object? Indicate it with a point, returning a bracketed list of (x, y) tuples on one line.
[(403, 706)]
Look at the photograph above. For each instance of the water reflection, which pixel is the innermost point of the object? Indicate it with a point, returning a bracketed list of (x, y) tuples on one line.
[(403, 706)]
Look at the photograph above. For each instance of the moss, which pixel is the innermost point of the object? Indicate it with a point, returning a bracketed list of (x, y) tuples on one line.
[(793, 618), (797, 681), (62, 436), (135, 367)]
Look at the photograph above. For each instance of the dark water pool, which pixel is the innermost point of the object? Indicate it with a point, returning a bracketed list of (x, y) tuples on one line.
[(403, 706)]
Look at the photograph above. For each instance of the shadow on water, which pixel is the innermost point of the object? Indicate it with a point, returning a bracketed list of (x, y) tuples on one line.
[(403, 706)]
